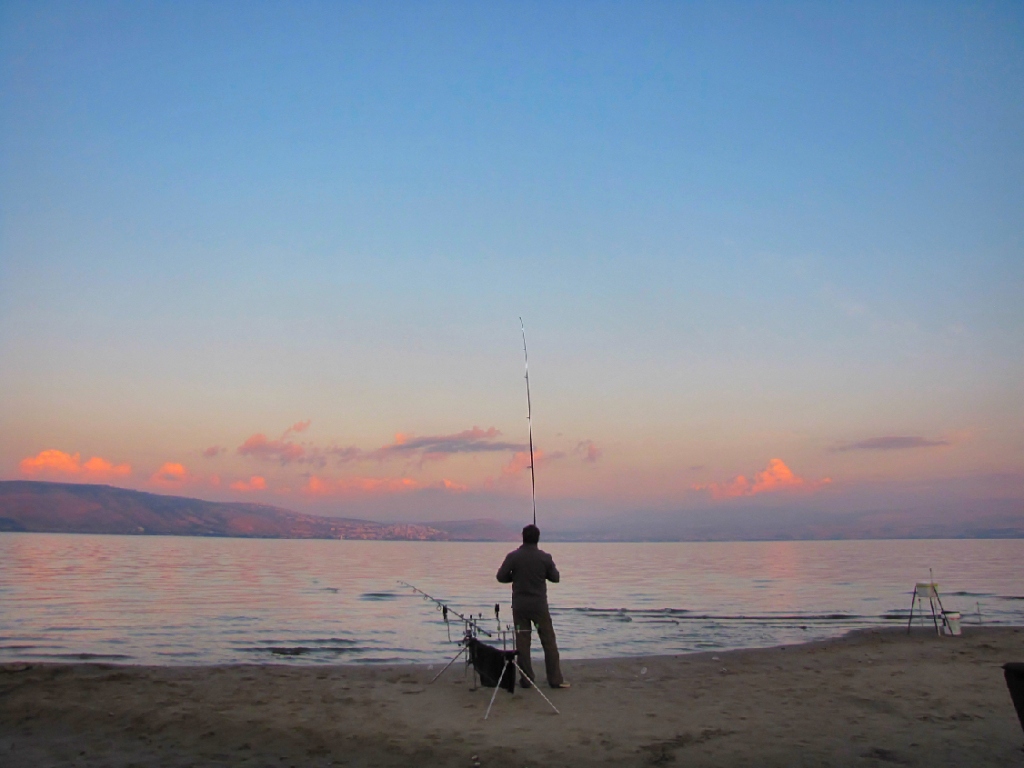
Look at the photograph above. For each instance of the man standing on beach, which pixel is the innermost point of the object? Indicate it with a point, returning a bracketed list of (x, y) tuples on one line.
[(528, 569)]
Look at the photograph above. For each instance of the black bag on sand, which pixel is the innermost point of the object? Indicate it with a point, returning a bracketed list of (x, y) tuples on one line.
[(489, 663), (1014, 674)]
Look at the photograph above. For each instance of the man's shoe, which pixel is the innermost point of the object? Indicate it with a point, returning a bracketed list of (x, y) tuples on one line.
[(562, 684)]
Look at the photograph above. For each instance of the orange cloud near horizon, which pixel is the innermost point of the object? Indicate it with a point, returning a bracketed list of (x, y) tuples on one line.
[(254, 483), (170, 475), (56, 462), (776, 477)]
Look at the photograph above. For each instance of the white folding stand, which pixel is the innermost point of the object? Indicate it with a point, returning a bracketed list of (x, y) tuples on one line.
[(929, 590), (454, 659), (523, 676)]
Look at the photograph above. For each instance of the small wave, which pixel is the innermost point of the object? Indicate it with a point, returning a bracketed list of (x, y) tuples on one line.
[(659, 615), (377, 596), (298, 651), (307, 650), (327, 641), (81, 656), (180, 654), (604, 611)]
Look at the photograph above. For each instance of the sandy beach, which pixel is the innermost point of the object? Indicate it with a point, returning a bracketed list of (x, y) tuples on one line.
[(876, 697)]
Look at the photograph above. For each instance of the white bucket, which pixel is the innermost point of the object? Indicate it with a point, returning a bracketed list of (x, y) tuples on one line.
[(952, 622)]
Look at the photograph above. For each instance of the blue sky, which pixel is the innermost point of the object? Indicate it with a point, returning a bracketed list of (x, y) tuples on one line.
[(736, 232)]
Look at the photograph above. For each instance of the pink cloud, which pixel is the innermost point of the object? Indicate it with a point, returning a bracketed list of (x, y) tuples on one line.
[(520, 461), (347, 486), (317, 486), (254, 483), (170, 475), (776, 477), (517, 465), (427, 448), (440, 447), (282, 450), (213, 450), (588, 450), (892, 443), (98, 466), (55, 463), (345, 455)]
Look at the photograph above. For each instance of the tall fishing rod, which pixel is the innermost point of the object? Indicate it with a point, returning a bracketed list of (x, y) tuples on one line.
[(529, 421)]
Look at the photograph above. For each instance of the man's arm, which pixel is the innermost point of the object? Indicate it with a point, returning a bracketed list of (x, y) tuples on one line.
[(505, 572), (552, 573)]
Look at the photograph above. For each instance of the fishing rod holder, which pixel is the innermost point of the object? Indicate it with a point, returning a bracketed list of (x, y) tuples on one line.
[(484, 659)]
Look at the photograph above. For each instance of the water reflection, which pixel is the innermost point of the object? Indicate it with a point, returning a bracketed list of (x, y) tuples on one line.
[(203, 600)]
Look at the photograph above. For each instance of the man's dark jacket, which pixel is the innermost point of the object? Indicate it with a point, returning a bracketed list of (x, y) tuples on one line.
[(528, 569)]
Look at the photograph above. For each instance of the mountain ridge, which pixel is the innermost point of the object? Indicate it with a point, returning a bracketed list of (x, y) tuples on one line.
[(43, 507), (49, 507)]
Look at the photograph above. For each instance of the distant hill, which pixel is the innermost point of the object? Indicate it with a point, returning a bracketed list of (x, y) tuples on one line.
[(74, 508)]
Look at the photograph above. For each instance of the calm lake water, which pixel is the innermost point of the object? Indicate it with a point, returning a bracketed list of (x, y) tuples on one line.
[(177, 600)]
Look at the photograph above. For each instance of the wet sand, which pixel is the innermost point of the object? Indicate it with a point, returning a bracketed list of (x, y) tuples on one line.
[(874, 698)]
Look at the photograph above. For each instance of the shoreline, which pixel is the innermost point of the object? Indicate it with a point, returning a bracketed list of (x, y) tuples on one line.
[(870, 697), (916, 630), (286, 661)]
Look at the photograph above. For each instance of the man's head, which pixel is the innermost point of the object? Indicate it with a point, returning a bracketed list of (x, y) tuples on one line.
[(531, 534)]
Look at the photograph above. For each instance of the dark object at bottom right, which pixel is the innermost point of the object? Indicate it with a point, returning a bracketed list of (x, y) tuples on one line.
[(1014, 673)]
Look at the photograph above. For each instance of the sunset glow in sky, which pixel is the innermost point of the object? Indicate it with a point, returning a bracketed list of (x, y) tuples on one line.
[(277, 252)]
